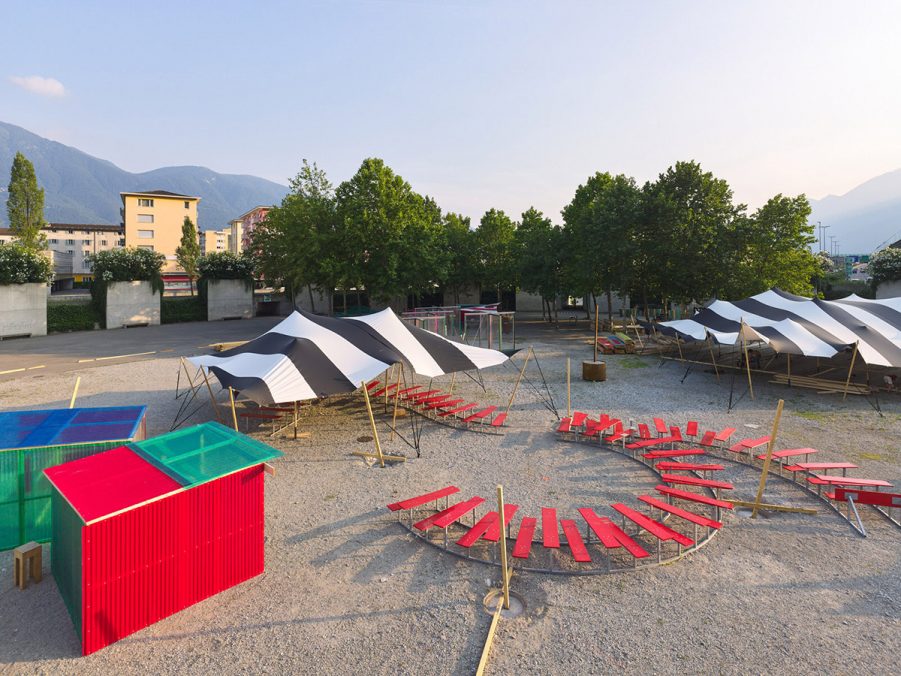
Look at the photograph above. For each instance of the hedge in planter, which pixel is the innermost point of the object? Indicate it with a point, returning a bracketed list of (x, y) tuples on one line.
[(19, 265), (24, 275), (226, 285), (124, 265)]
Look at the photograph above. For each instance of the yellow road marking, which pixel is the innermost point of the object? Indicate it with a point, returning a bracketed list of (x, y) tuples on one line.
[(118, 356), (30, 368), (3, 373)]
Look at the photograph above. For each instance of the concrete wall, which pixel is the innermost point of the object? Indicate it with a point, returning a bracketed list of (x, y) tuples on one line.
[(528, 302), (320, 299), (228, 299), (131, 304), (23, 310), (889, 290)]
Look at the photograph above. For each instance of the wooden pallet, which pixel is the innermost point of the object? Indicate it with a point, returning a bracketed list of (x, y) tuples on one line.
[(822, 385)]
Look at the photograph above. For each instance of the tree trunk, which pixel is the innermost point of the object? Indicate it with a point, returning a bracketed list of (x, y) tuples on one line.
[(312, 302), (644, 301), (610, 307)]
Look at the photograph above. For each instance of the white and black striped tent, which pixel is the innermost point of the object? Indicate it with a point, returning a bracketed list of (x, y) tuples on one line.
[(792, 324), (308, 356)]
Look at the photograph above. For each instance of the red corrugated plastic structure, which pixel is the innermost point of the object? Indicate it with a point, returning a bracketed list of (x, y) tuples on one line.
[(143, 531)]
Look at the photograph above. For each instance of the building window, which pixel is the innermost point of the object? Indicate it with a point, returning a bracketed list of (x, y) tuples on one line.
[(54, 241), (70, 242), (144, 202), (145, 234), (187, 205), (102, 242), (122, 241), (149, 247), (68, 251), (71, 232), (145, 218), (85, 241)]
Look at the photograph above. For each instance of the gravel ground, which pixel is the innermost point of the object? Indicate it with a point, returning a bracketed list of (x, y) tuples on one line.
[(347, 589)]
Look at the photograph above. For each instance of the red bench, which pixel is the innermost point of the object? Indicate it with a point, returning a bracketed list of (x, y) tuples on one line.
[(680, 453), (523, 546), (499, 420), (647, 443), (653, 527), (708, 439), (826, 480), (695, 481), (875, 498), (565, 426), (691, 429), (403, 393), (382, 391), (487, 527), (484, 413), (824, 466), (574, 538), (611, 535), (694, 497), (675, 434), (579, 418), (687, 467), (419, 396), (446, 517), (374, 383), (660, 426), (749, 444), (724, 434), (446, 403), (431, 400), (455, 411), (410, 503), (789, 453), (550, 536), (681, 513), (644, 432)]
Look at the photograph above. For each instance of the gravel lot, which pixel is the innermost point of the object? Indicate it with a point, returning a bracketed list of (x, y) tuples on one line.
[(348, 590)]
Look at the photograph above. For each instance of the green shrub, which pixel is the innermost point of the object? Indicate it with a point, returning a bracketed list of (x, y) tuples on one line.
[(885, 266), (71, 317), (225, 265), (175, 310), (19, 265), (123, 265)]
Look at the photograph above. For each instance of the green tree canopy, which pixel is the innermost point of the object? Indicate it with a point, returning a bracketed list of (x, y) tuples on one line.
[(188, 250), (25, 204), (538, 252), (885, 266), (459, 240), (495, 251)]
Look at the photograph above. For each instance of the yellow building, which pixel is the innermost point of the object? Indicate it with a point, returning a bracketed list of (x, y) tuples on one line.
[(212, 241), (153, 220)]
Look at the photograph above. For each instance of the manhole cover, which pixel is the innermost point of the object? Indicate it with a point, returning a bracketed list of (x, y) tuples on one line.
[(495, 596)]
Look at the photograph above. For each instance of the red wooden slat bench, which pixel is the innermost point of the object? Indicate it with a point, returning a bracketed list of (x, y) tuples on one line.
[(675, 433), (446, 403), (611, 535), (681, 513), (494, 532), (579, 418), (410, 503), (484, 413), (749, 444), (695, 481), (825, 466), (653, 527), (669, 466), (644, 432), (550, 536), (678, 453), (694, 497), (382, 390), (499, 420), (419, 396), (523, 546), (432, 400), (455, 411), (565, 426), (574, 538), (875, 498), (447, 516), (487, 527), (619, 436), (660, 426), (374, 383), (789, 453), (691, 429), (403, 393), (708, 439), (826, 480), (724, 434), (647, 443)]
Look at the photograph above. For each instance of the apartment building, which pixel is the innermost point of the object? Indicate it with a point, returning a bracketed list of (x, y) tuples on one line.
[(153, 220), (215, 241), (76, 241), (248, 221)]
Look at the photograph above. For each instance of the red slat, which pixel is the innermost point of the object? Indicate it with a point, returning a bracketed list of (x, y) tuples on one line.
[(410, 503), (574, 538), (653, 527), (694, 497), (523, 546), (550, 535), (678, 511)]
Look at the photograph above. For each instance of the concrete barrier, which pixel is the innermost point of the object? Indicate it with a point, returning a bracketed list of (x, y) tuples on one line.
[(889, 290), (23, 310), (228, 299), (131, 304)]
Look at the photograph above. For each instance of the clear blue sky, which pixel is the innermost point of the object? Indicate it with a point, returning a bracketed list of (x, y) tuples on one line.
[(478, 103)]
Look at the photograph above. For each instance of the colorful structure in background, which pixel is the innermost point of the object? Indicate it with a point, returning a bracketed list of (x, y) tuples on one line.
[(143, 531), (31, 441)]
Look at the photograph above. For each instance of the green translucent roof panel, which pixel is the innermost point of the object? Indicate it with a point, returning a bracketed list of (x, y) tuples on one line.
[(204, 452)]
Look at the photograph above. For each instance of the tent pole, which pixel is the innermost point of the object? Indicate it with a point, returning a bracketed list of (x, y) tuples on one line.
[(767, 460), (518, 380), (212, 398), (295, 421), (453, 382), (385, 380), (568, 394), (850, 370), (744, 348), (396, 400), (712, 358), (375, 432), (231, 396), (595, 332), (679, 345)]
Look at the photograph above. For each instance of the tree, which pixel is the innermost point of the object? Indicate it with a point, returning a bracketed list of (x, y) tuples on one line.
[(885, 266), (460, 245), (188, 251), (494, 240), (25, 205), (539, 259)]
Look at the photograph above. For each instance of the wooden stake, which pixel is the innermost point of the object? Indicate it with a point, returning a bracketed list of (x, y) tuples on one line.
[(768, 459), (75, 392), (595, 332), (503, 545), (453, 382), (518, 380), (295, 421), (375, 432), (744, 348), (483, 661), (850, 370), (212, 398), (397, 400), (568, 395), (231, 396), (712, 358)]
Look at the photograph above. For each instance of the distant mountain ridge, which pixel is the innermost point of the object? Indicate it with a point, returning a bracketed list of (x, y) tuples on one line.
[(79, 188), (863, 218)]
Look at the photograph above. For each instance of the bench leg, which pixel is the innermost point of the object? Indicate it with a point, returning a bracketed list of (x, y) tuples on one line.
[(19, 575)]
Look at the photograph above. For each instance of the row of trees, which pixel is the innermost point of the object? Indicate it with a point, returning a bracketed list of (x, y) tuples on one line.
[(680, 238)]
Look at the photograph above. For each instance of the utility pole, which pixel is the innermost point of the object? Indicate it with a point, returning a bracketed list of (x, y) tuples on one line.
[(822, 235), (831, 248)]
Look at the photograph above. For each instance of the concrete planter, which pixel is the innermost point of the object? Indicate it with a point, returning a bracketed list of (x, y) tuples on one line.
[(131, 304), (228, 299), (23, 310), (889, 290)]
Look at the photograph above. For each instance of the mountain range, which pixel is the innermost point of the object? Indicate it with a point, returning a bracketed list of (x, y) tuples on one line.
[(865, 218), (79, 188)]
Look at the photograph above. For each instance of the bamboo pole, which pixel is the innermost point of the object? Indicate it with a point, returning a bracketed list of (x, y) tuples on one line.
[(295, 421), (75, 392), (375, 432), (453, 382), (231, 397), (595, 332), (850, 370), (712, 358), (503, 545), (184, 366), (767, 460), (744, 348), (518, 381), (492, 629), (568, 393), (400, 370), (212, 397)]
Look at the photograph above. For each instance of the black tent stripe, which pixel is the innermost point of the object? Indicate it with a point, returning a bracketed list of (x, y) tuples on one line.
[(251, 386), (448, 356), (871, 337), (778, 314)]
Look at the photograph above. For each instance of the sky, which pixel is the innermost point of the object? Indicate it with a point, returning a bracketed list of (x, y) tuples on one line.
[(479, 104)]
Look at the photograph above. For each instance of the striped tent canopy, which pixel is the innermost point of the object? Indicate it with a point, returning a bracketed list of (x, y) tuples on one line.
[(308, 356), (796, 325)]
